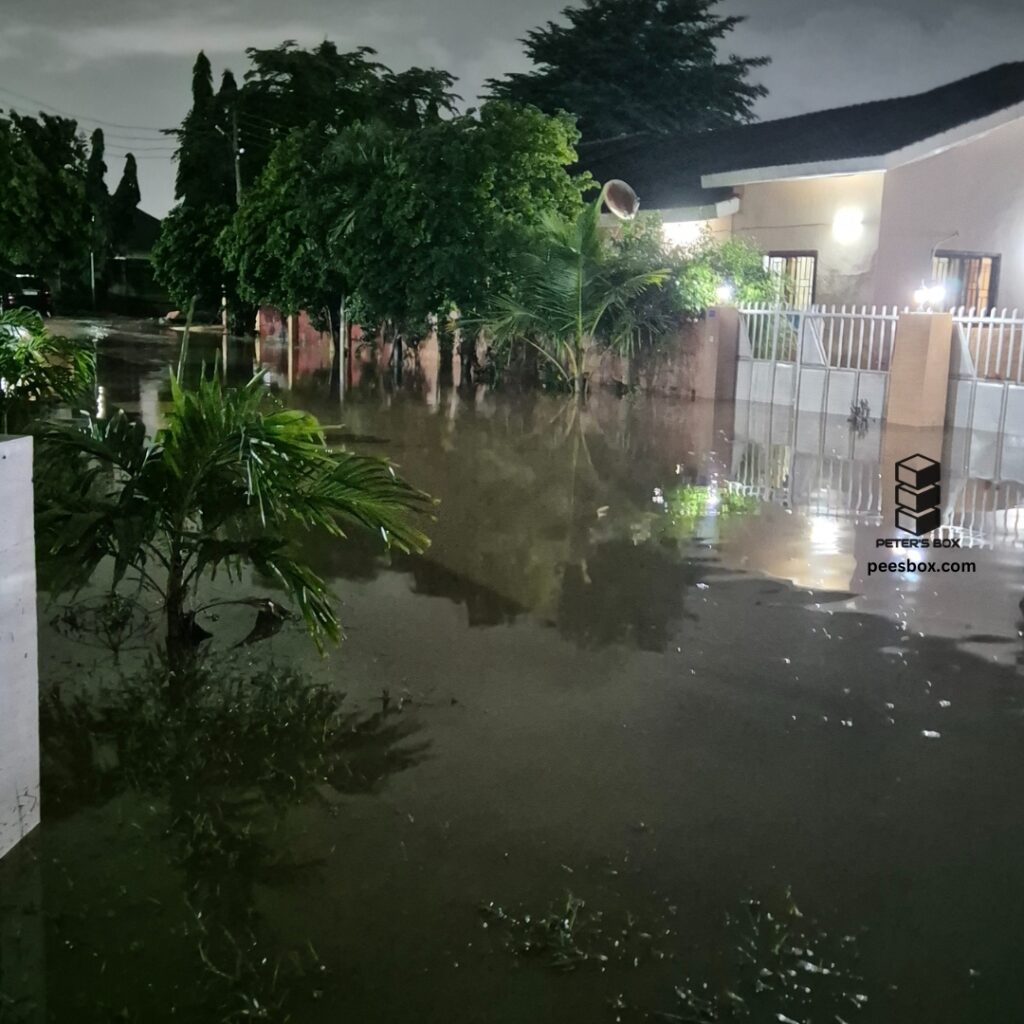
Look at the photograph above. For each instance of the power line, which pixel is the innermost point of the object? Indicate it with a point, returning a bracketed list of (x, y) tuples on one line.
[(112, 137), (140, 148), (80, 117)]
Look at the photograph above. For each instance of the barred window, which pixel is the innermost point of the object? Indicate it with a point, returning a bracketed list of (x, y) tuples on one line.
[(971, 279)]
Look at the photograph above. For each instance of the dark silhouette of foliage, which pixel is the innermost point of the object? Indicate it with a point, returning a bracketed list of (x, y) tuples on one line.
[(124, 203), (624, 66), (44, 212)]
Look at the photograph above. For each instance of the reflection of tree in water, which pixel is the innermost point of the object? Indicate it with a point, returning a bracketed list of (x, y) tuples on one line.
[(484, 606), (223, 771), (624, 593)]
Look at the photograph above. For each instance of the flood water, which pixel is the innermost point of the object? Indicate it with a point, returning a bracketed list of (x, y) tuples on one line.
[(642, 664)]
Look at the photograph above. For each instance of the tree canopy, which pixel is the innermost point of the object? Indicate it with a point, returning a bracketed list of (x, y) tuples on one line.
[(321, 91), (98, 197), (624, 66), (124, 203), (408, 222), (44, 213)]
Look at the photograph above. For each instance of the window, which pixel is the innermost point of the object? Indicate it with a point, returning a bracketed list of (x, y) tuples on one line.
[(971, 279), (795, 274)]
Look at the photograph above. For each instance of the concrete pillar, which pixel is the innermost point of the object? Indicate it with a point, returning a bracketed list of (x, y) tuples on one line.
[(19, 669), (713, 372), (919, 371)]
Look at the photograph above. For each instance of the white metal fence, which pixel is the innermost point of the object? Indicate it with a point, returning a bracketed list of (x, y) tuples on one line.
[(823, 358), (855, 338), (845, 338), (827, 358), (815, 465), (986, 388), (989, 344)]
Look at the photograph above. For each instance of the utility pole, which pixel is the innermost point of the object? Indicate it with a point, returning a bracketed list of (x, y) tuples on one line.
[(92, 260), (237, 152)]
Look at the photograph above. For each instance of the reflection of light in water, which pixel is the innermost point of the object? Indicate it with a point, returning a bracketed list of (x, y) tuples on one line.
[(824, 535), (101, 402)]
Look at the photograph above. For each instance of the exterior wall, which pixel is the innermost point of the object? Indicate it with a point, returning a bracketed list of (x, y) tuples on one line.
[(687, 232), (19, 676), (787, 216), (976, 189)]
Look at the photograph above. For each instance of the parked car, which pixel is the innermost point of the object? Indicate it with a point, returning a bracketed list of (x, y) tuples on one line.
[(19, 289)]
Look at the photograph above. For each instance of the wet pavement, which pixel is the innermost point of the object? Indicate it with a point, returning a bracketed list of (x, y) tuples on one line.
[(643, 662)]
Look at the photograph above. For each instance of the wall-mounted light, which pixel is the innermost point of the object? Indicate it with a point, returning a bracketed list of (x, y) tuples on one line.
[(848, 225), (725, 293), (930, 296), (681, 232)]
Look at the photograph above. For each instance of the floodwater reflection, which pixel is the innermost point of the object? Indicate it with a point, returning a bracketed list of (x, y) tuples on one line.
[(652, 671)]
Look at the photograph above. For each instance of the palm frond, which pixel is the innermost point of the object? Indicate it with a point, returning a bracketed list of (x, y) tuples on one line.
[(37, 367)]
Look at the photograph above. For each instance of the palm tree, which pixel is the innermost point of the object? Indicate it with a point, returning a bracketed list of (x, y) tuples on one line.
[(571, 290), (37, 368), (226, 482)]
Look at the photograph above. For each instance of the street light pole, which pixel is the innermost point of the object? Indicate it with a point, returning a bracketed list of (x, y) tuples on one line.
[(92, 260)]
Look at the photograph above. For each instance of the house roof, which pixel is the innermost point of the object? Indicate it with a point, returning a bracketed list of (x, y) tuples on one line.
[(144, 232), (678, 170)]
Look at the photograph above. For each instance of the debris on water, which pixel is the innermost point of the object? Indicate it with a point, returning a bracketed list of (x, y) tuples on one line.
[(787, 661), (931, 734), (785, 971), (945, 703), (567, 936), (702, 586)]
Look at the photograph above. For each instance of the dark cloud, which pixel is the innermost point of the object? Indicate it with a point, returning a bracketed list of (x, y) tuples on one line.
[(128, 61)]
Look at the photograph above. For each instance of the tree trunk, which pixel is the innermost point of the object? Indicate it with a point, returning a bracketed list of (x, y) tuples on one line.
[(445, 350), (179, 649)]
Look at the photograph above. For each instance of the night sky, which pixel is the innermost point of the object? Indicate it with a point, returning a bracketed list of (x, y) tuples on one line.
[(129, 61)]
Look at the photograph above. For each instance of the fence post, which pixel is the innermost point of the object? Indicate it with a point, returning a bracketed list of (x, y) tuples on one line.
[(919, 370), (721, 345), (19, 671)]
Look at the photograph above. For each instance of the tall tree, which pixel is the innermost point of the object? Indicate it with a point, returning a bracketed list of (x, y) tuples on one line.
[(204, 154), (277, 242), (408, 223), (184, 258), (328, 89), (124, 204), (44, 215), (624, 66), (98, 197), (228, 118), (96, 192)]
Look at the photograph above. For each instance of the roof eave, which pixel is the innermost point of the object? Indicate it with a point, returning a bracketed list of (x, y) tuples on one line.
[(921, 150), (684, 214)]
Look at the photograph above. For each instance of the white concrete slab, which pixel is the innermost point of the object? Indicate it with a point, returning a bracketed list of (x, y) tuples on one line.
[(19, 673)]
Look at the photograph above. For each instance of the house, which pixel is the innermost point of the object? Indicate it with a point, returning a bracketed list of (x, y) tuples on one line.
[(131, 286), (861, 204)]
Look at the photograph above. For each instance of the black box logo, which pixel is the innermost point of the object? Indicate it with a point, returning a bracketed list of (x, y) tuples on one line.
[(918, 495)]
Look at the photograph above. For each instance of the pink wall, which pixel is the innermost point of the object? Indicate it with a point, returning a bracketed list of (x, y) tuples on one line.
[(976, 188)]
